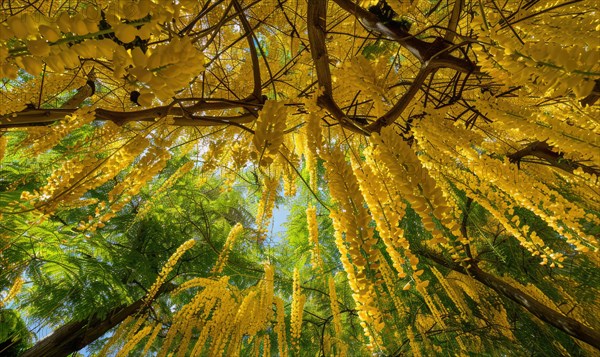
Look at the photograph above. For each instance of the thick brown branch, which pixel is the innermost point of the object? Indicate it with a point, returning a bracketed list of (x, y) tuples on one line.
[(394, 113), (541, 311), (327, 103), (544, 151), (252, 46), (423, 51), (317, 13), (84, 92), (564, 323), (454, 18), (74, 336), (593, 97), (184, 115)]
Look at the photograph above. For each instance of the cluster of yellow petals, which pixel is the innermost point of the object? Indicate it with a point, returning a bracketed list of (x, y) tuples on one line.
[(266, 206), (336, 319), (12, 292), (533, 54), (211, 158), (234, 233), (46, 138), (313, 143), (134, 340), (280, 327), (286, 163), (497, 186), (160, 70), (456, 298), (354, 238), (387, 209), (78, 175), (118, 336), (215, 321), (268, 135), (391, 282), (313, 238), (415, 183), (298, 300), (167, 268)]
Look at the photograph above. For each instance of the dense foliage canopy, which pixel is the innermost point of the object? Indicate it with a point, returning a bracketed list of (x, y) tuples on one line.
[(438, 162)]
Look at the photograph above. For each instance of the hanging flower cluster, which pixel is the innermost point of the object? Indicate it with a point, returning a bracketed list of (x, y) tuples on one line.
[(234, 233), (78, 175), (298, 300), (265, 207), (417, 187), (336, 318), (215, 321), (312, 144), (12, 292), (313, 238), (280, 327), (48, 137), (497, 186), (268, 135), (387, 209), (167, 268), (355, 241), (529, 53)]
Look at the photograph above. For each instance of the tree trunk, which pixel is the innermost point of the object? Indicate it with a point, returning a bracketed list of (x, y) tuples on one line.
[(543, 150), (550, 316), (543, 312), (74, 336)]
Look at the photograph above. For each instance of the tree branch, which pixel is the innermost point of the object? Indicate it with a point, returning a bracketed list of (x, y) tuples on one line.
[(74, 336), (84, 92), (252, 46), (544, 151), (552, 317), (183, 114), (394, 113), (423, 51), (593, 97), (316, 18), (454, 18)]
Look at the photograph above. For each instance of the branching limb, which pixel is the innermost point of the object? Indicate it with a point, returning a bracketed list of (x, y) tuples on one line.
[(544, 151), (593, 97), (394, 113), (454, 18), (84, 92), (252, 47), (317, 13), (184, 115), (564, 323), (76, 335), (422, 50)]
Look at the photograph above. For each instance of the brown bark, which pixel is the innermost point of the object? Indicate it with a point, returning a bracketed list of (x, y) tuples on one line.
[(434, 53), (543, 151), (541, 311), (545, 313), (593, 97), (183, 115), (74, 336), (317, 13)]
